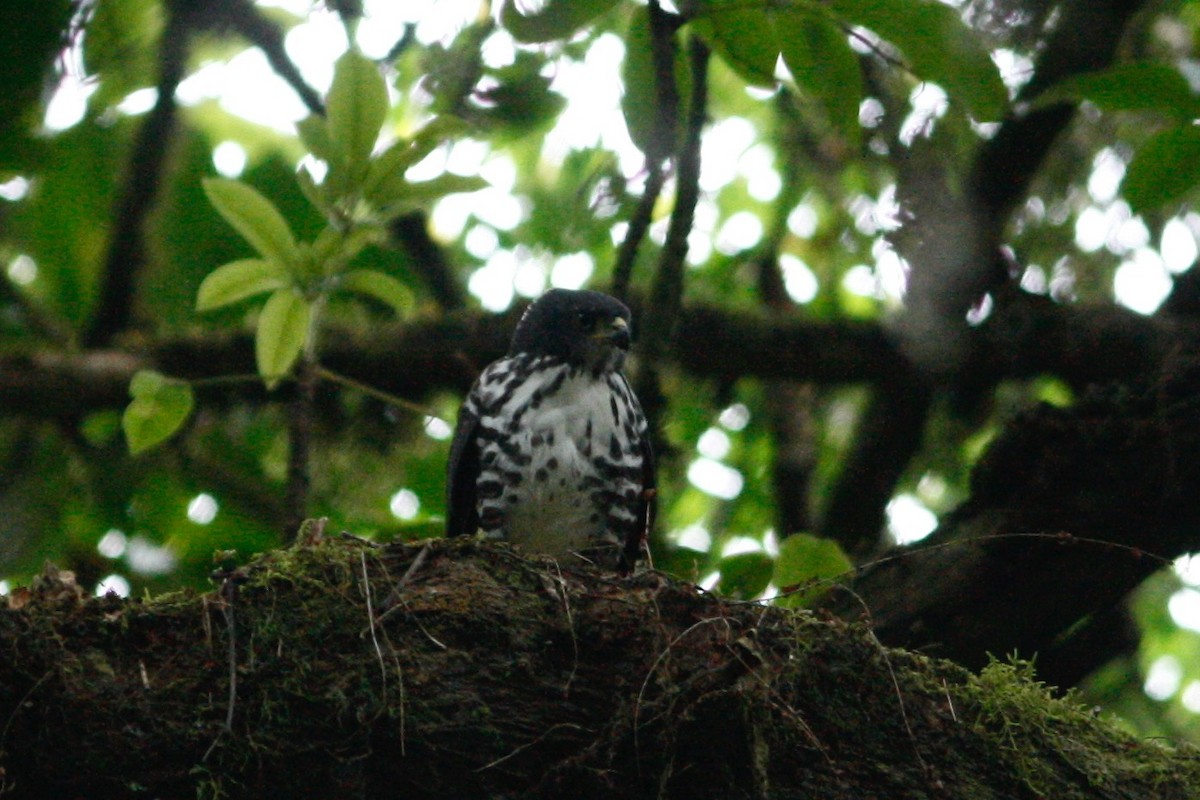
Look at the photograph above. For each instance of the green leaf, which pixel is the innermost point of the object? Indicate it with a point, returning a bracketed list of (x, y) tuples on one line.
[(805, 559), (380, 286), (1164, 170), (238, 280), (281, 335), (1129, 87), (818, 54), (744, 575), (937, 46), (314, 133), (385, 175), (557, 19), (357, 107), (312, 192), (399, 196), (159, 408), (652, 127), (743, 35), (253, 216)]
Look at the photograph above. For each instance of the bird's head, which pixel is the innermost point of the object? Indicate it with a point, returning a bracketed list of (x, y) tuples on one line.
[(586, 329)]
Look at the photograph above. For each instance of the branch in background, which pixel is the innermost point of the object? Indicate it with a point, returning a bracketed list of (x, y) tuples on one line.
[(1025, 337), (244, 17), (889, 432), (33, 316), (658, 325), (639, 223), (1073, 506), (1084, 39), (666, 129), (127, 249), (410, 233), (1105, 635), (955, 241), (953, 246), (789, 404), (300, 427)]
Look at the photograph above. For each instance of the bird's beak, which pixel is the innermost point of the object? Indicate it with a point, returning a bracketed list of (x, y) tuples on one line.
[(616, 332)]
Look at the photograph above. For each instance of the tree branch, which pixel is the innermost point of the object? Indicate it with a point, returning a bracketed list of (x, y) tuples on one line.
[(410, 233), (666, 132), (244, 17), (1025, 337), (1074, 507), (453, 669), (666, 294), (127, 249)]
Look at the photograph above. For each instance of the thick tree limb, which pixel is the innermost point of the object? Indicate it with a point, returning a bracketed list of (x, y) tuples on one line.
[(1027, 336), (953, 246), (453, 669), (1074, 507)]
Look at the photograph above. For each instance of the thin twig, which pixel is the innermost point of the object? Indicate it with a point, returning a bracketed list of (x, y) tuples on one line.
[(325, 373), (527, 745), (371, 623), (639, 223), (300, 425), (228, 594), (566, 601), (255, 26), (390, 601), (637, 708)]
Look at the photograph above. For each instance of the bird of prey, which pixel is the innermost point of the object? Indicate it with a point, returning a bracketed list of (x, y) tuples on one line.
[(551, 450)]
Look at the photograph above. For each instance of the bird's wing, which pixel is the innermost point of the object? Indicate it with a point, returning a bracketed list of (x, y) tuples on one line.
[(462, 471), (648, 506)]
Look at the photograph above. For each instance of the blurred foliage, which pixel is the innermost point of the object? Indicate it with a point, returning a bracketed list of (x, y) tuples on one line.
[(544, 111)]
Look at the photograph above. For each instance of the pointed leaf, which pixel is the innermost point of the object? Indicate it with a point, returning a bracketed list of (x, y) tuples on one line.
[(398, 196), (744, 575), (281, 335), (146, 382), (805, 559), (159, 408), (312, 192), (937, 46), (743, 34), (818, 54), (1129, 87), (358, 106), (557, 19), (387, 170), (314, 133), (382, 287), (652, 127), (254, 217), (438, 130), (1164, 170), (238, 280)]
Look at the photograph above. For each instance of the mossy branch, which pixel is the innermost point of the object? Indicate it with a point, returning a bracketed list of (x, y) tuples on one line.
[(455, 669)]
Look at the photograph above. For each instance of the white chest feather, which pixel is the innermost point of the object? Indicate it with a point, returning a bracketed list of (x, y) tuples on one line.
[(562, 450)]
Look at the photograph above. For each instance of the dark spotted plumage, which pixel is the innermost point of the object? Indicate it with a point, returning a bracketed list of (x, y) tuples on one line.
[(551, 450)]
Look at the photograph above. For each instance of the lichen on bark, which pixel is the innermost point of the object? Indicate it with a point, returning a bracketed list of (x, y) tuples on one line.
[(459, 669)]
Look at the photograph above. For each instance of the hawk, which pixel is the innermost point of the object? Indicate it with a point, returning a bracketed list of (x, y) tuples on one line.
[(551, 450)]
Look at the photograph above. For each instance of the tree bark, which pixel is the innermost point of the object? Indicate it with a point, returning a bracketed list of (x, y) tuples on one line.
[(456, 669), (1070, 509)]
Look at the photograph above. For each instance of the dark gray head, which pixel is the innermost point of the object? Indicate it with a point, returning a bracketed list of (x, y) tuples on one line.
[(583, 328)]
